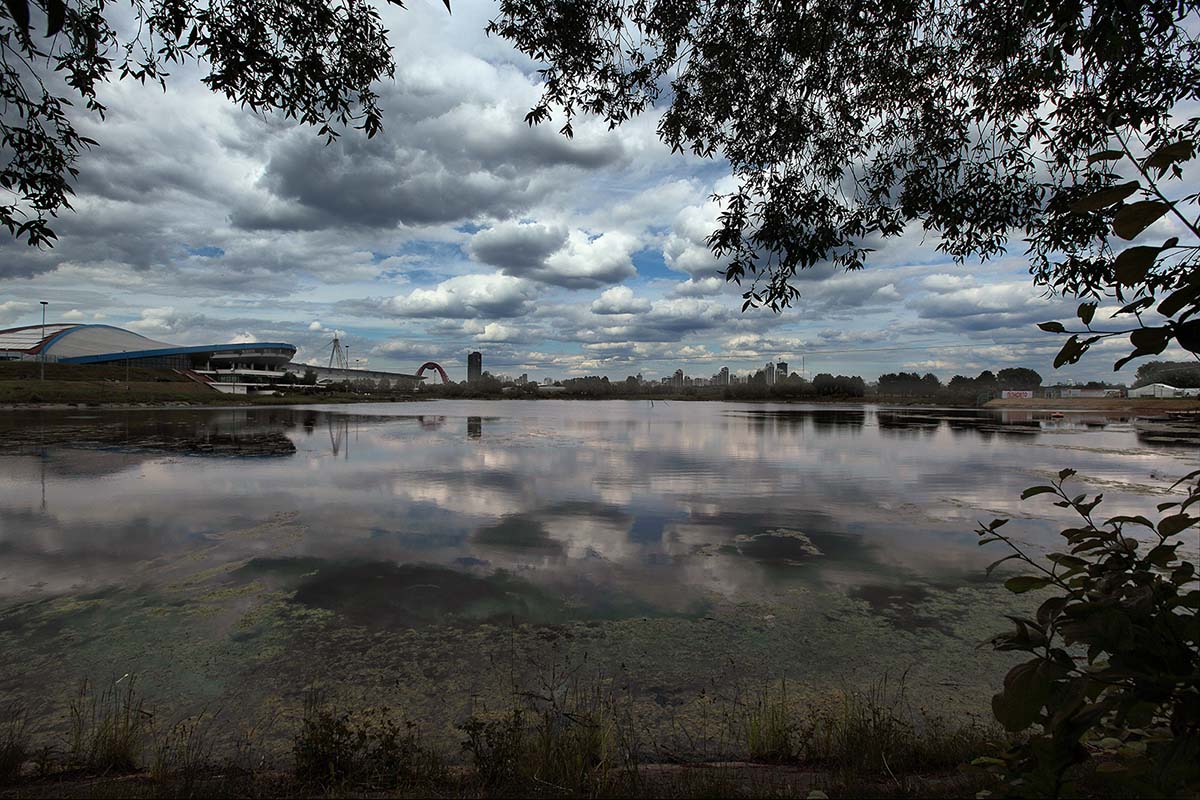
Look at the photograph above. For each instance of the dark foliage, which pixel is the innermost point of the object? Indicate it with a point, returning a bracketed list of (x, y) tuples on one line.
[(316, 61), (1113, 678), (334, 748), (845, 122), (1181, 374)]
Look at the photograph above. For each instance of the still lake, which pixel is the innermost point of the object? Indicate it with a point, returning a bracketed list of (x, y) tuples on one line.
[(425, 556)]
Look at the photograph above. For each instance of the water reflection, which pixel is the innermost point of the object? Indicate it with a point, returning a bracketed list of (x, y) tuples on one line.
[(669, 504)]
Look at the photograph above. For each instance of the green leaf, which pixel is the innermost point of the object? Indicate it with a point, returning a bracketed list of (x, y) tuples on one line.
[(1026, 688), (1136, 217), (1085, 312), (1052, 327), (1000, 561), (1070, 562), (1034, 491), (1063, 474), (1133, 263), (1025, 583), (1106, 155), (1169, 526), (1135, 520), (1105, 197)]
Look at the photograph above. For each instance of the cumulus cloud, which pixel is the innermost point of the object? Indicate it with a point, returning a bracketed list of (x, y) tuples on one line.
[(12, 310), (517, 247), (686, 247), (698, 287), (619, 300), (944, 282), (494, 296), (1010, 306)]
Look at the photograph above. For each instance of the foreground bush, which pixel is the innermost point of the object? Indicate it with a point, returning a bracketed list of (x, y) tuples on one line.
[(1113, 679)]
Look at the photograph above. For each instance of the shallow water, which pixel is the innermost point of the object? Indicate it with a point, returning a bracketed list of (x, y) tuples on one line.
[(409, 551)]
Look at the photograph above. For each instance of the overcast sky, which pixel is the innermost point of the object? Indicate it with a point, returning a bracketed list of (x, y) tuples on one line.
[(459, 228)]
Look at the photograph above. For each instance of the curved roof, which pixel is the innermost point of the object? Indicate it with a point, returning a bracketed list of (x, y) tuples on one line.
[(28, 339), (89, 344)]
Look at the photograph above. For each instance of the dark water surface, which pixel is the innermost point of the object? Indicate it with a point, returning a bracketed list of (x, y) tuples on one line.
[(410, 552)]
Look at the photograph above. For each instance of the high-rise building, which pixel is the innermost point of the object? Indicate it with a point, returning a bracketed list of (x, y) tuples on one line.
[(474, 366), (678, 378), (770, 373), (724, 373), (781, 371)]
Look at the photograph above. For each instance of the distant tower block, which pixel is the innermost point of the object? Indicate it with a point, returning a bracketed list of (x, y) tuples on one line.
[(474, 366), (781, 371)]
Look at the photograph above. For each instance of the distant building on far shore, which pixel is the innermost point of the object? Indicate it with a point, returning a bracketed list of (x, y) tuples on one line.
[(474, 366), (1162, 390)]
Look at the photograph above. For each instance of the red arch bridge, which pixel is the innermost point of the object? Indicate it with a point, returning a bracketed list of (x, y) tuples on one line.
[(434, 366)]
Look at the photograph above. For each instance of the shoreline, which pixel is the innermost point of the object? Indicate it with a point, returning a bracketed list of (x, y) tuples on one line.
[(1113, 405)]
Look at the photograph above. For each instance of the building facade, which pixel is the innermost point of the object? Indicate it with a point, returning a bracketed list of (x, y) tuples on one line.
[(233, 368), (474, 366)]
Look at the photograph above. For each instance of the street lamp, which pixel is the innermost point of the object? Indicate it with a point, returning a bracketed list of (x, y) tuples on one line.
[(42, 349)]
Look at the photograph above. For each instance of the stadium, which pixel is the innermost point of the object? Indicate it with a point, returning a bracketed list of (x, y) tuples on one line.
[(233, 368)]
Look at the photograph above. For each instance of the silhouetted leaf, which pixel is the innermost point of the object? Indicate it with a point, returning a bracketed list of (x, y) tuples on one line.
[(1149, 340), (1034, 491), (1169, 526), (1052, 327), (1105, 197), (19, 10), (1187, 334), (1106, 155), (1137, 305), (1086, 311), (1134, 262), (1136, 217), (1176, 301), (1169, 154), (56, 15)]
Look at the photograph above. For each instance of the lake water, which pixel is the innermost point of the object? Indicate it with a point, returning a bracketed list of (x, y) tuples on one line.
[(426, 555)]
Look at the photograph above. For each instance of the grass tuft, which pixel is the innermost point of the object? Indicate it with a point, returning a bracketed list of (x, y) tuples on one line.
[(575, 736), (334, 748), (183, 754), (107, 730)]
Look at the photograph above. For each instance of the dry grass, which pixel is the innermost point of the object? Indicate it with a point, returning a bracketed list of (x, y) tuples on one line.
[(108, 729)]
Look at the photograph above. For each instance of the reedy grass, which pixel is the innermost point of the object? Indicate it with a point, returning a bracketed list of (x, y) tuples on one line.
[(14, 749), (108, 729)]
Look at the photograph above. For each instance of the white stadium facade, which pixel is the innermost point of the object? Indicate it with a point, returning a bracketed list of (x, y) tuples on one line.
[(234, 368)]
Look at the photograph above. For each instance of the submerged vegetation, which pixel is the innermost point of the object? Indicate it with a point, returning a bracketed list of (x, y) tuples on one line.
[(1106, 702)]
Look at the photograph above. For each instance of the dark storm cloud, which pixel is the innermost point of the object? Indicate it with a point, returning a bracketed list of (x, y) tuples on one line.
[(517, 248), (441, 160)]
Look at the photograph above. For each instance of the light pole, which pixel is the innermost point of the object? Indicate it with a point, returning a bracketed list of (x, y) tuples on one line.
[(42, 349)]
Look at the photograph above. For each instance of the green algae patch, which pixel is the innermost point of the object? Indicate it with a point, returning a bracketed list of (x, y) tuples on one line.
[(383, 594)]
